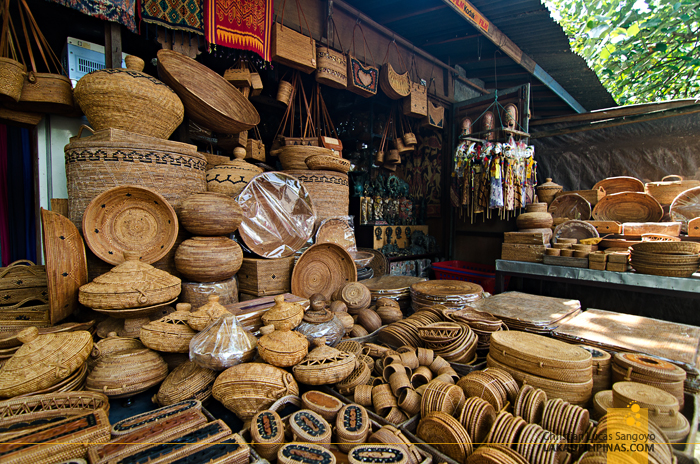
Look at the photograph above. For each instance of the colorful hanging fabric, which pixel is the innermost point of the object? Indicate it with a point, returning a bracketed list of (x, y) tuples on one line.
[(240, 24), (181, 15), (118, 11)]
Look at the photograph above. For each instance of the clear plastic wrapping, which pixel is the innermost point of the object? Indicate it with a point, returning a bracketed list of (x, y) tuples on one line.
[(222, 344), (197, 293), (278, 215), (333, 330), (338, 230)]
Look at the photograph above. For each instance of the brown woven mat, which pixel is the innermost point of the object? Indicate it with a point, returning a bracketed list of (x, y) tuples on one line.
[(523, 311)]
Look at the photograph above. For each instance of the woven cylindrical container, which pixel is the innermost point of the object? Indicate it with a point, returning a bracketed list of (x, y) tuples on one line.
[(187, 381), (210, 213), (208, 259), (294, 156), (325, 405), (309, 427), (329, 191), (112, 158)]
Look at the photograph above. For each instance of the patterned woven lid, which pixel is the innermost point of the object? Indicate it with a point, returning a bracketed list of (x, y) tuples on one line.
[(43, 360), (377, 454), (537, 348), (310, 427), (304, 453), (324, 364), (267, 427)]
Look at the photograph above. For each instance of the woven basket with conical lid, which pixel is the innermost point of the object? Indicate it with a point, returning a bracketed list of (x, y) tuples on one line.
[(324, 365), (111, 344), (292, 313), (43, 360), (283, 347), (169, 334), (207, 313), (186, 381), (131, 284), (126, 373)]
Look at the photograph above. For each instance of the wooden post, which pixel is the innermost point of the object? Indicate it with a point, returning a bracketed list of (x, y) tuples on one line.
[(113, 45)]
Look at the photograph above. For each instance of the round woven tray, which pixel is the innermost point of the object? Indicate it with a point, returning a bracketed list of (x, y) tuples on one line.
[(446, 434), (646, 396), (322, 269), (657, 369), (570, 206), (337, 231), (685, 207), (667, 271), (278, 215), (328, 163), (619, 184), (670, 248), (378, 264), (130, 218), (208, 98), (628, 207), (574, 229)]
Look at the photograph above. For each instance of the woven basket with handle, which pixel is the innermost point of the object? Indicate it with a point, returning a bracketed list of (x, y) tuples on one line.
[(293, 48)]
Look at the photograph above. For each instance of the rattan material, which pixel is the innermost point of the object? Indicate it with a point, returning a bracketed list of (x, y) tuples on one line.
[(654, 399), (208, 98), (231, 177), (686, 207), (393, 84), (620, 184), (208, 259), (325, 405), (363, 395), (628, 207), (447, 434), (283, 347), (62, 440), (267, 433), (326, 163), (544, 353), (570, 206), (443, 397), (187, 381), (210, 213), (43, 361), (304, 453), (322, 268), (126, 373), (295, 156), (111, 344), (64, 251), (350, 346), (324, 365), (222, 344), (309, 427), (547, 190), (377, 454), (356, 296), (283, 312), (251, 387), (130, 218), (672, 248), (655, 368), (131, 284), (338, 231), (140, 422), (329, 191), (169, 334), (12, 81), (207, 313)]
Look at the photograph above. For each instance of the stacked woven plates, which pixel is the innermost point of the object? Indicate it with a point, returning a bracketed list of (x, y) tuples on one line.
[(662, 408), (565, 419), (538, 445), (616, 421), (450, 293), (405, 331), (671, 259), (477, 417), (495, 386), (529, 404), (397, 288), (561, 370), (602, 372), (446, 434), (637, 367), (453, 341), (506, 429), (442, 397), (496, 454), (483, 324)]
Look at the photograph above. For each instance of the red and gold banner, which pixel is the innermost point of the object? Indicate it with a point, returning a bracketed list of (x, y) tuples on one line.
[(241, 24)]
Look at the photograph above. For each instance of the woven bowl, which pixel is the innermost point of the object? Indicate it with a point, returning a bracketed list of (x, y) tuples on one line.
[(208, 98), (210, 213), (328, 163), (322, 268)]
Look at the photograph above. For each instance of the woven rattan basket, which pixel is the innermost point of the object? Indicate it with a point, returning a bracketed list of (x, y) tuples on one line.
[(207, 313), (295, 156), (267, 434), (208, 259), (309, 427), (169, 334), (393, 84), (283, 347), (329, 191), (126, 373), (140, 422), (129, 100), (210, 213), (325, 405), (43, 361), (187, 381), (251, 387), (223, 344), (131, 284), (324, 365), (283, 313), (230, 178), (328, 163), (111, 344), (13, 79)]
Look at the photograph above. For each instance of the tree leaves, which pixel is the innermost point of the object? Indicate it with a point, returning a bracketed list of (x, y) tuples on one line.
[(642, 50)]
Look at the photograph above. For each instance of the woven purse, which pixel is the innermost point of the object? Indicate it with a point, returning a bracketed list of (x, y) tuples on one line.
[(332, 67), (362, 78), (293, 48)]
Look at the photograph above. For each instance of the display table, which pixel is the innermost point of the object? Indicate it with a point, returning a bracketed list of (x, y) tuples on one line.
[(631, 281)]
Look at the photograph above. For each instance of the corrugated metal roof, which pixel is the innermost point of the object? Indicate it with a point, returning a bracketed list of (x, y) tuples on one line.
[(435, 27)]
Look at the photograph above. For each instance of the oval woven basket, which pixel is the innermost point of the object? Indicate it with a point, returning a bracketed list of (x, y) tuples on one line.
[(329, 191), (251, 387), (628, 207), (328, 163), (127, 373), (130, 218), (129, 100), (112, 344), (295, 156), (40, 408), (570, 206), (393, 84), (208, 98), (620, 184), (185, 382), (686, 207), (324, 365), (45, 93), (169, 334), (283, 347), (667, 190)]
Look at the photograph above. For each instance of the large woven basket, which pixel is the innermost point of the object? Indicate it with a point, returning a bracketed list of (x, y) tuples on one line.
[(329, 191), (12, 72), (169, 334), (294, 156), (112, 158), (127, 373), (393, 84), (45, 93), (251, 387), (667, 190), (187, 381)]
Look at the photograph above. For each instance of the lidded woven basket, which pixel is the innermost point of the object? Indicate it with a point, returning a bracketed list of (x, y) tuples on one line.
[(112, 344), (131, 284), (231, 177), (43, 360), (282, 311), (321, 322), (283, 347), (223, 344), (251, 387), (324, 365), (187, 381), (169, 334), (126, 373), (207, 313), (267, 434)]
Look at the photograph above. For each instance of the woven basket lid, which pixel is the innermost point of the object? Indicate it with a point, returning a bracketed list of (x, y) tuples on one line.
[(304, 453), (267, 427), (186, 381), (322, 362), (231, 177), (127, 373), (112, 344), (537, 348), (322, 268), (132, 277), (43, 360), (447, 288), (207, 313), (377, 454), (317, 315), (292, 313), (280, 347), (645, 395)]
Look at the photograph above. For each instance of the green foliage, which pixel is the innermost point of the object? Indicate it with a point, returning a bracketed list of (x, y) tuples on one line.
[(642, 50)]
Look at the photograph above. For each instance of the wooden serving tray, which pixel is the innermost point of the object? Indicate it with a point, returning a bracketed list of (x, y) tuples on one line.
[(566, 261)]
